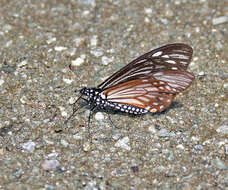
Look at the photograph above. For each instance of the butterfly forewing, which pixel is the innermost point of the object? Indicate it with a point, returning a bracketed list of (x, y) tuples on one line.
[(170, 57)]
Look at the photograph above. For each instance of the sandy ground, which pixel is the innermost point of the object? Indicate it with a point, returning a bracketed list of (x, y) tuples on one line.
[(49, 49)]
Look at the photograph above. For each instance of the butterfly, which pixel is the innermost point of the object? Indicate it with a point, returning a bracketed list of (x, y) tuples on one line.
[(147, 84)]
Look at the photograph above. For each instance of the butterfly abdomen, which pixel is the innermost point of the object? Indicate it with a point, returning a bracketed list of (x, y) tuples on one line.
[(97, 99)]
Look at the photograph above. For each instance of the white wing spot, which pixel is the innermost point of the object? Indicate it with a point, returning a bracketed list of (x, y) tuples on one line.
[(103, 96), (180, 56), (161, 87), (174, 68), (155, 103), (161, 107), (168, 88), (171, 61), (165, 56), (183, 62), (148, 108), (157, 54), (160, 82)]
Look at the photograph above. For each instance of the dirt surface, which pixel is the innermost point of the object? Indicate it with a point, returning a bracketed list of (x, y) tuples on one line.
[(49, 49)]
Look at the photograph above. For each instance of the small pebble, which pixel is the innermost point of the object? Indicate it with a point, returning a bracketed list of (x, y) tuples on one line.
[(71, 100), (60, 48), (116, 136), (63, 112), (51, 40), (64, 143), (67, 81), (77, 136), (225, 85), (152, 129), (97, 52), (180, 146), (99, 116), (219, 20), (50, 165), (1, 82), (29, 146), (94, 40), (77, 62), (105, 60), (78, 41), (226, 149), (201, 73), (165, 133), (123, 143), (23, 63), (220, 164), (148, 11), (86, 147), (222, 129)]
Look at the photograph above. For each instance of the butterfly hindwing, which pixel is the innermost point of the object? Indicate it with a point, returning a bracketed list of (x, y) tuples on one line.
[(150, 94)]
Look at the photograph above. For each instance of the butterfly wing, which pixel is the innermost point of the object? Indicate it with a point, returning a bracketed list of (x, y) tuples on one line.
[(150, 94), (169, 57)]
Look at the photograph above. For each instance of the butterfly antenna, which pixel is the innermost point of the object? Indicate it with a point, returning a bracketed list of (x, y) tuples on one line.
[(74, 109)]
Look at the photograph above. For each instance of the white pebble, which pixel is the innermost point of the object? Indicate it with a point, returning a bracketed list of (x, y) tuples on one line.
[(123, 143), (64, 143), (77, 136), (78, 41), (50, 164), (105, 60), (60, 48), (29, 146), (71, 100), (86, 147), (222, 129), (180, 146), (99, 116), (219, 20), (23, 63), (148, 11), (225, 85), (152, 129), (1, 82), (146, 20), (51, 40), (201, 73), (63, 112), (68, 81), (94, 40), (96, 52), (77, 62)]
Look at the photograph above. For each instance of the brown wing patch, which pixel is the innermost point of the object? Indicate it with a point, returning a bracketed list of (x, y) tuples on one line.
[(150, 94)]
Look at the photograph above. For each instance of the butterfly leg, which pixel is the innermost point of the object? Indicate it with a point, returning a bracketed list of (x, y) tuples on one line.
[(90, 114)]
